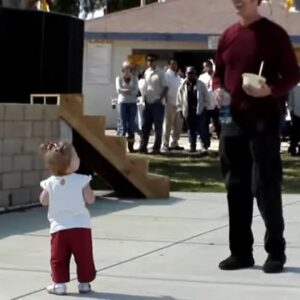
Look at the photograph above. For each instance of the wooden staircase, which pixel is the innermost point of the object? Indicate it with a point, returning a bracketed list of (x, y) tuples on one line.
[(105, 155)]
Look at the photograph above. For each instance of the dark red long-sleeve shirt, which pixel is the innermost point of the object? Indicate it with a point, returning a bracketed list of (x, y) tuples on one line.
[(241, 50)]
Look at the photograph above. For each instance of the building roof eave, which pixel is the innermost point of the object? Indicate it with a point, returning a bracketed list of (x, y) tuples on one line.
[(137, 36)]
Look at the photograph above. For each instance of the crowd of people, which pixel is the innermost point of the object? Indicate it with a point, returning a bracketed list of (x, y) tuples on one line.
[(175, 99), (166, 101)]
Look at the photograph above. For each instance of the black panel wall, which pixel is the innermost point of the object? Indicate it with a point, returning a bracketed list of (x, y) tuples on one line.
[(40, 53)]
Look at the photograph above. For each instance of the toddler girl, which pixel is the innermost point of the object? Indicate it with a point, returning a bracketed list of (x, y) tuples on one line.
[(66, 193)]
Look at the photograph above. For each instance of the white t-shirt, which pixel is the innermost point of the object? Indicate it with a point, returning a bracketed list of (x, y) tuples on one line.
[(127, 92), (173, 82), (67, 208), (207, 79), (155, 82), (141, 84)]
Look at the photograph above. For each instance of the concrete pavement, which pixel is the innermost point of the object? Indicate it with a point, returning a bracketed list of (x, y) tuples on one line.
[(150, 250)]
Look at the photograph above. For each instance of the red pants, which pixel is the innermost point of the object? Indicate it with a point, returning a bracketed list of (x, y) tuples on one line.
[(76, 241)]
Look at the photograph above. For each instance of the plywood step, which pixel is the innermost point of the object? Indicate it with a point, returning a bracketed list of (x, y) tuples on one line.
[(106, 155), (158, 184), (117, 145), (139, 163), (97, 123)]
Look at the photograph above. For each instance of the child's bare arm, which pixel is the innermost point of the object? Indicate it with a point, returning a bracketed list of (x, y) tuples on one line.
[(44, 198), (88, 194)]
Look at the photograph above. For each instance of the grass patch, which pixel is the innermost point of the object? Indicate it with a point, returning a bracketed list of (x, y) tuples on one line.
[(189, 174), (202, 174), (291, 174)]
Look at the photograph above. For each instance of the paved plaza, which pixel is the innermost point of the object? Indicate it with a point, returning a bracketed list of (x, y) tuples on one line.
[(150, 250)]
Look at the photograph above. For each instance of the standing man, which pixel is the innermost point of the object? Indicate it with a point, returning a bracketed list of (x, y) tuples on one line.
[(212, 108), (155, 91), (192, 100), (250, 145), (173, 119)]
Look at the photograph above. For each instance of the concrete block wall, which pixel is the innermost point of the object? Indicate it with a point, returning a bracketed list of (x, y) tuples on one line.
[(23, 127)]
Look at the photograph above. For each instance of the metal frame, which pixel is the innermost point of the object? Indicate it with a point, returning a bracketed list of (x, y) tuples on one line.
[(44, 96)]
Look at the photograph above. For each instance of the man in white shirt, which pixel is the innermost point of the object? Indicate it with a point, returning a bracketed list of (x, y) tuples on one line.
[(155, 91), (173, 120), (212, 108), (140, 99)]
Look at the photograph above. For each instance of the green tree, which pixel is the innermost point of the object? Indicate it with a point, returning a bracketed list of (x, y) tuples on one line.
[(75, 7)]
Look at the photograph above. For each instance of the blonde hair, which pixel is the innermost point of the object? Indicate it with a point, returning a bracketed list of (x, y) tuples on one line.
[(57, 156), (125, 65)]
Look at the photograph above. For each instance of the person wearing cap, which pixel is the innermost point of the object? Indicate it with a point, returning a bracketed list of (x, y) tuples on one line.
[(192, 100), (127, 90), (250, 144)]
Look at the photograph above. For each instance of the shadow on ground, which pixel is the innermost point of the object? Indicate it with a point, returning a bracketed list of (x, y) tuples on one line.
[(113, 296), (31, 220)]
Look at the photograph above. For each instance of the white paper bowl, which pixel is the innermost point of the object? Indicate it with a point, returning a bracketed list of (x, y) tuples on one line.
[(252, 80)]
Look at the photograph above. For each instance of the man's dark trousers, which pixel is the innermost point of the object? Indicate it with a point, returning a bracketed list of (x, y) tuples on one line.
[(153, 114), (251, 166)]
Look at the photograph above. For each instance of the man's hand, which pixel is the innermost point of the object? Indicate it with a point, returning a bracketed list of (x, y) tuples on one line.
[(218, 95), (263, 91)]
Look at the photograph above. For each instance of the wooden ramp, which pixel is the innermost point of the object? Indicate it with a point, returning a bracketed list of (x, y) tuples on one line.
[(105, 155)]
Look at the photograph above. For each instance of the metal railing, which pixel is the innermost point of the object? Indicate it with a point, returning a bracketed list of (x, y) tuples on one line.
[(45, 97)]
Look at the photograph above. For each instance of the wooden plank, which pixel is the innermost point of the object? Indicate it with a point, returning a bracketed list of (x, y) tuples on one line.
[(117, 144), (113, 149), (139, 163), (160, 186)]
